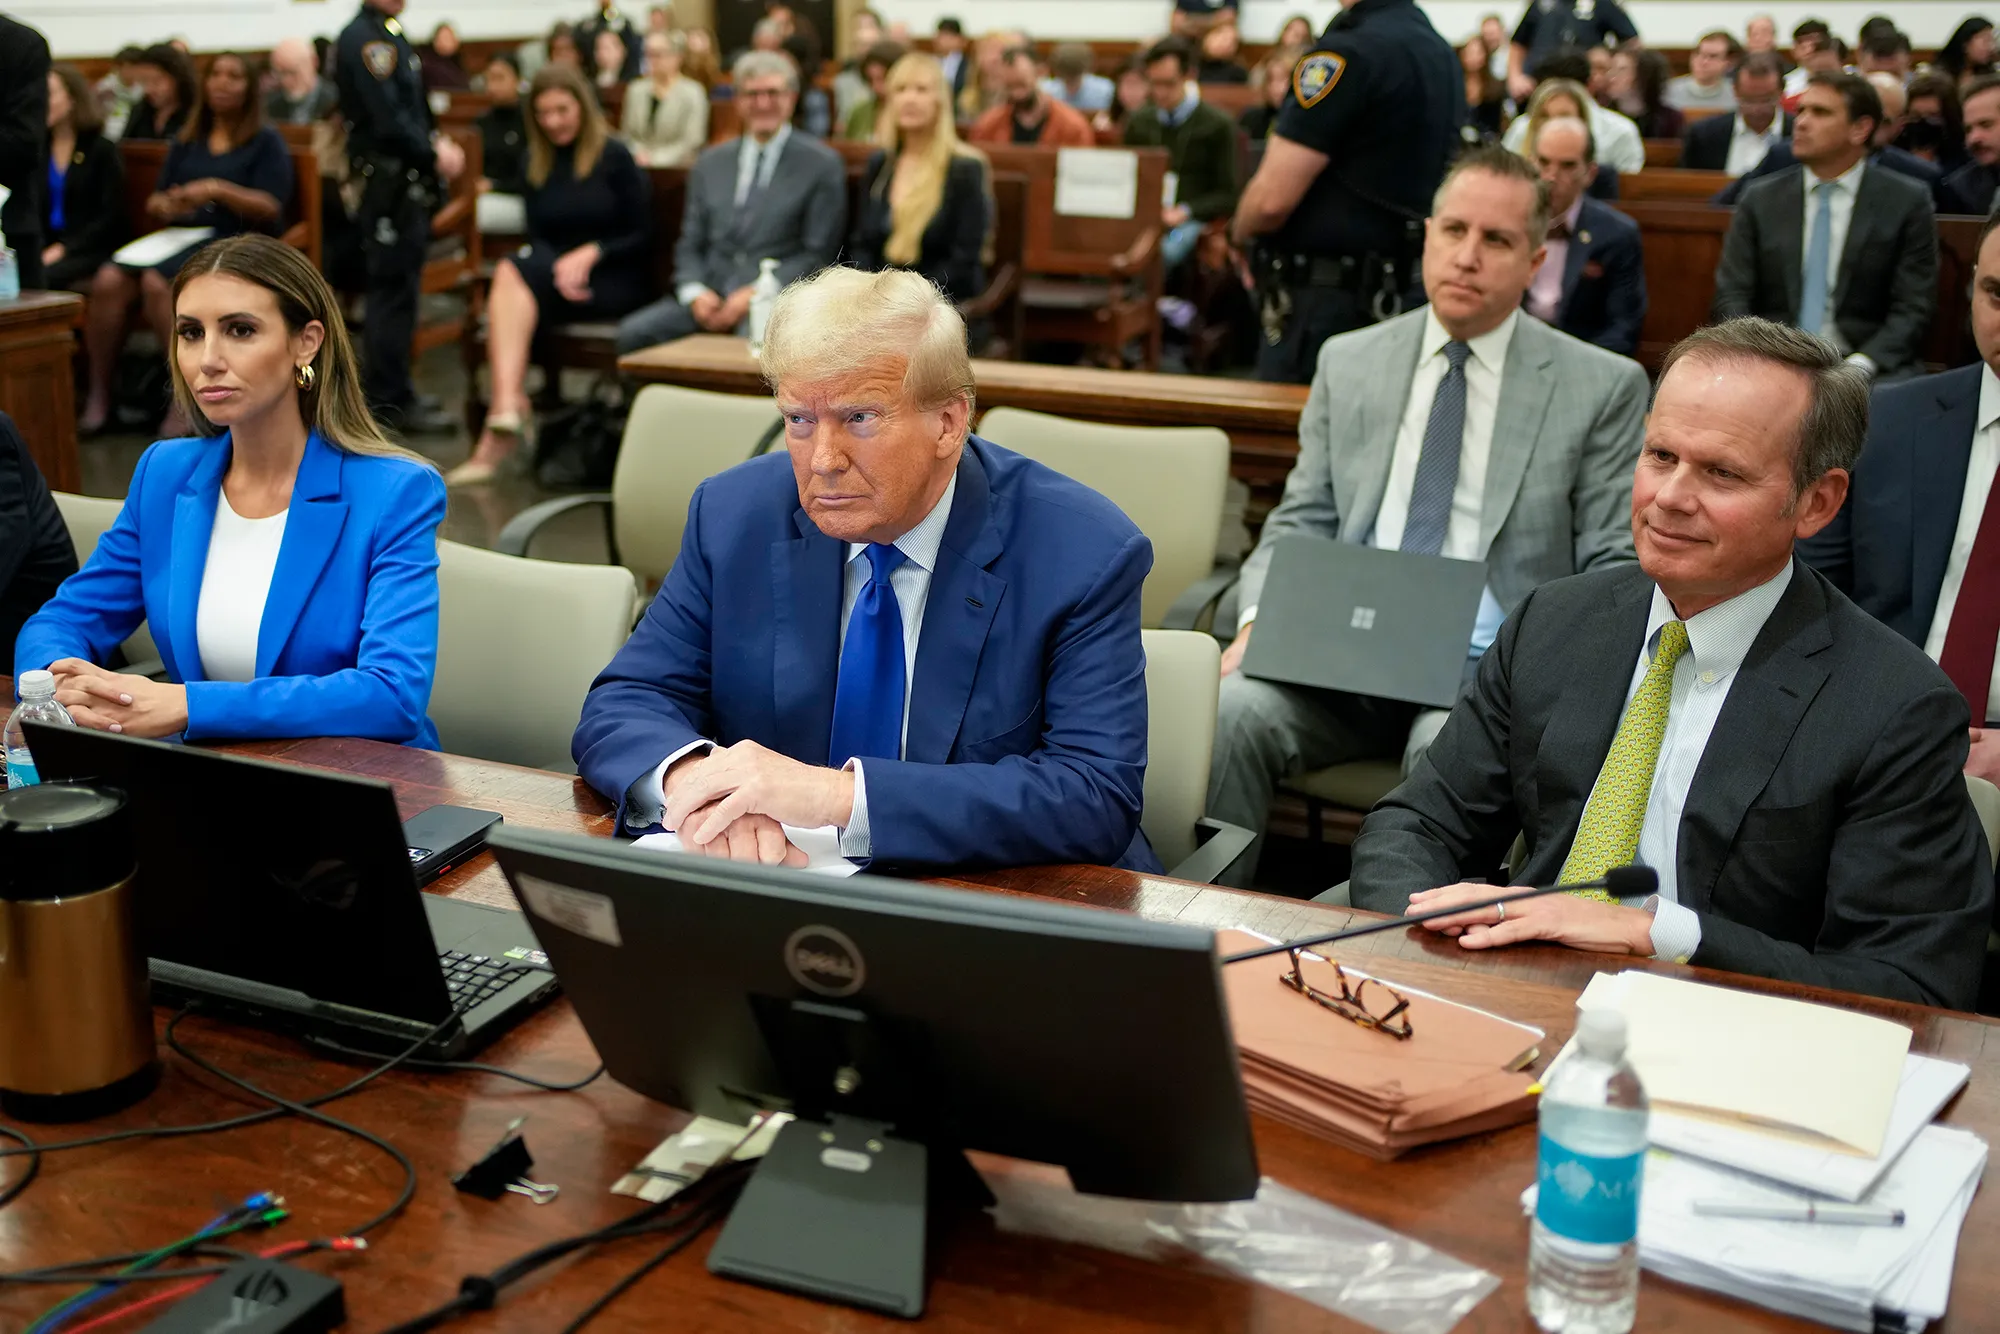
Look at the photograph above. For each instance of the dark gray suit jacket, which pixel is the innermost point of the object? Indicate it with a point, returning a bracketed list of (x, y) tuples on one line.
[(1885, 283), (1827, 838), (800, 221)]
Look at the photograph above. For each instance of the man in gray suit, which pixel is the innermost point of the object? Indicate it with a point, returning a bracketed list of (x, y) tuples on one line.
[(1459, 429), (1788, 765), (1856, 262), (773, 193)]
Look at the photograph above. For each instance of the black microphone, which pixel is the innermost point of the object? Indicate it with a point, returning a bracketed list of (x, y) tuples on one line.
[(1620, 882)]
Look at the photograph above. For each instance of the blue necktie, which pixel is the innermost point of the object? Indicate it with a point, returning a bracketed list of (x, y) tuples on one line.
[(1812, 304), (1437, 465), (868, 701)]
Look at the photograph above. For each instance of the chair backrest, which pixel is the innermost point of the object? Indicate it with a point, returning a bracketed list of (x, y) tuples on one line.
[(519, 642), (1986, 801), (1183, 676), (1081, 244), (87, 518), (1169, 480), (674, 440)]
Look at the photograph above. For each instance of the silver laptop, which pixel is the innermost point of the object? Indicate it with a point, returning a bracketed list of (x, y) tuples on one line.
[(1388, 624)]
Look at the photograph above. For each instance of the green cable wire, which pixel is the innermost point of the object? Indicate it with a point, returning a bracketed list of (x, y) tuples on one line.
[(49, 1319)]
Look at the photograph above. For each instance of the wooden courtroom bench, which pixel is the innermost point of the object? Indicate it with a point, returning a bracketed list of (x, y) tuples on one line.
[(1663, 153), (1675, 183)]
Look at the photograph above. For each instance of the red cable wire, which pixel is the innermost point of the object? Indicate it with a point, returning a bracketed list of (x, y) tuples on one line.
[(112, 1317)]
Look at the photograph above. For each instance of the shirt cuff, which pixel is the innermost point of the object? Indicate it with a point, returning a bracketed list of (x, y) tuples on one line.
[(855, 843), (1865, 362), (1676, 930), (646, 802), (687, 292), (1244, 617)]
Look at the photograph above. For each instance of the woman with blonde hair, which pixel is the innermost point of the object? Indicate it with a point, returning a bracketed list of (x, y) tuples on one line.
[(927, 205), (589, 211), (1619, 145), (285, 558)]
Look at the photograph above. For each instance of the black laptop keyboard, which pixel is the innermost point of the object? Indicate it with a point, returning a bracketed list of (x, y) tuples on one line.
[(472, 978)]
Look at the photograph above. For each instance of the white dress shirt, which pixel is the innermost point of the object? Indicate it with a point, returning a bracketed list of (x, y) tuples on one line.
[(1545, 292), (747, 161), (1747, 148), (1718, 641), (1844, 186), (1979, 473), (235, 584)]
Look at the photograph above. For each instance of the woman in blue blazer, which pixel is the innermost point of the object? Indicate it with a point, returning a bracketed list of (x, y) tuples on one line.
[(285, 560)]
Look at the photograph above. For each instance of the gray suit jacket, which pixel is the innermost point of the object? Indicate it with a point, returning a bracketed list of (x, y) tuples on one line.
[(1558, 480), (800, 220), (1827, 838), (1885, 283)]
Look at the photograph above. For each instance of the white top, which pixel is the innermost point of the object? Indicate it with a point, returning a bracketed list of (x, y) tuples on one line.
[(1844, 187), (1619, 145), (242, 555), (1747, 148), (1683, 93), (1979, 473), (1718, 641)]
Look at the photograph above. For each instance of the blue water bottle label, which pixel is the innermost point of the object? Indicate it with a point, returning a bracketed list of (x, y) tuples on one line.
[(21, 773), (1587, 1198)]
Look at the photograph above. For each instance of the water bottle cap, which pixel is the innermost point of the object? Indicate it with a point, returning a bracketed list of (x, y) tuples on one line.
[(37, 683), (1601, 1033)]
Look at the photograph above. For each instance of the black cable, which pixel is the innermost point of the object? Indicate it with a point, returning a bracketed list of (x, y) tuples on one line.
[(459, 1067), (34, 1152), (699, 1224), (85, 1271)]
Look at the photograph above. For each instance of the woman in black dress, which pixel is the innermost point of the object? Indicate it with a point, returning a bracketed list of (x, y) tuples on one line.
[(927, 206), (503, 130), (589, 210), (83, 208), (168, 76)]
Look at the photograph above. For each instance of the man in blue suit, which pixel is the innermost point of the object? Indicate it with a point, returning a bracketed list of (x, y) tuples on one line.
[(1917, 545), (896, 628), (1592, 286)]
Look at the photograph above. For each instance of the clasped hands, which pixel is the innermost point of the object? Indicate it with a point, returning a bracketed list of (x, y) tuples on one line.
[(720, 314), (572, 272), (1564, 919), (734, 801), (108, 701)]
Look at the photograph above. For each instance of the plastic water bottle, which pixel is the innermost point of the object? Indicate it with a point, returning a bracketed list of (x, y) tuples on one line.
[(763, 295), (38, 704), (1583, 1255), (10, 263)]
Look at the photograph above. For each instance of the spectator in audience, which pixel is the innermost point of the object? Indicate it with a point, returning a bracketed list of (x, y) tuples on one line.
[(36, 553), (1592, 284), (285, 559), (850, 86), (660, 18), (1639, 88), (83, 200), (1968, 53), (607, 62), (1706, 84), (1736, 144), (624, 60), (814, 114), (1760, 36), (1856, 263), (1493, 32), (121, 90), (1934, 124), (1194, 19), (1007, 734), (926, 204), (1551, 26), (589, 215), (1619, 144), (1029, 115), (226, 171), (990, 82), (1485, 94), (560, 49), (1597, 61), (1973, 187), (1882, 153), (1273, 79), (1298, 31), (443, 64), (665, 117), (170, 95), (1072, 82), (24, 138), (1559, 419), (298, 96), (698, 59), (875, 66), (772, 193), (1814, 50), (503, 131), (948, 45), (1789, 767), (1132, 97), (1222, 56), (1201, 149), (1887, 53)]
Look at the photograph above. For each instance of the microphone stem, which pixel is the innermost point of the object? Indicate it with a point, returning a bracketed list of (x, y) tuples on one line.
[(1285, 947)]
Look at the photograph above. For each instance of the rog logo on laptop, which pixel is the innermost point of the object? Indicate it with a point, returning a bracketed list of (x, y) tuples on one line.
[(330, 883)]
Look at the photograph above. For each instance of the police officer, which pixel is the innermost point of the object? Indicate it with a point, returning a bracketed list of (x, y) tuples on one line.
[(1333, 219), (1550, 26), (391, 152)]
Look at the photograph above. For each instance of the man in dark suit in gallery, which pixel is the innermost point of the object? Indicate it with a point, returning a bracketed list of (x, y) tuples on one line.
[(1737, 143), (1593, 284), (1721, 713)]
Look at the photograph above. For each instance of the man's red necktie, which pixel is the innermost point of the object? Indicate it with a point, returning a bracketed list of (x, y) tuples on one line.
[(1975, 618)]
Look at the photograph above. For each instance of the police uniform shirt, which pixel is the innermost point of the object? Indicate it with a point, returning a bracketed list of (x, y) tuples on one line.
[(382, 96), (1550, 26), (1382, 96)]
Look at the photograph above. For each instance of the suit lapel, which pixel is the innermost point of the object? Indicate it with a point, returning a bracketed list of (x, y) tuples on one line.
[(958, 614), (1938, 458), (1360, 465), (1527, 382), (194, 525), (1575, 256), (312, 529), (1790, 201), (1859, 230), (1599, 668), (806, 585)]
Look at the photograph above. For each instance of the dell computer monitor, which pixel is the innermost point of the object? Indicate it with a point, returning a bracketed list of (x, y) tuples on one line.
[(901, 1023)]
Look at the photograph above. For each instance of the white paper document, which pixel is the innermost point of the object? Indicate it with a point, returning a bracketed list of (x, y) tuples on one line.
[(1097, 182), (164, 244), (821, 847)]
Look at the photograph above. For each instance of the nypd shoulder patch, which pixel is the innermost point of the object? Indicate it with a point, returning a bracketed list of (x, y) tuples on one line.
[(380, 58), (1314, 76)]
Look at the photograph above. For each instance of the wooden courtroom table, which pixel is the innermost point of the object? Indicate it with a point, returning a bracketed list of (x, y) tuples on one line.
[(1460, 1197), (37, 340), (1262, 419)]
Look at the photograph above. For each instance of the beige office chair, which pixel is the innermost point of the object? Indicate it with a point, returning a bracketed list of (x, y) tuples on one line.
[(674, 440), (1183, 673), (519, 642), (88, 518), (1986, 801), (1170, 481)]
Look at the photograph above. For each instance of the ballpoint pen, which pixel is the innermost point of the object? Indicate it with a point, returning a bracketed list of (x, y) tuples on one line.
[(1808, 1211)]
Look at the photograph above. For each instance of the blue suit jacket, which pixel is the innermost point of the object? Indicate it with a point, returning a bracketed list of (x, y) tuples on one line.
[(348, 643), (1888, 546), (1027, 731), (1604, 280)]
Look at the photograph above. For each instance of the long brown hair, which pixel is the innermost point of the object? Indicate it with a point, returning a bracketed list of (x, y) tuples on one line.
[(85, 116), (590, 134), (333, 405), (250, 119)]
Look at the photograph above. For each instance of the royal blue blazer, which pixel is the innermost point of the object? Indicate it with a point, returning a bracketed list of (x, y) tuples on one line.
[(1027, 731), (348, 643)]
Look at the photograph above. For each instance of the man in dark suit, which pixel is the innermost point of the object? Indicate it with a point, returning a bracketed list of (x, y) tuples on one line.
[(1912, 545), (1593, 284), (1834, 245), (772, 193), (1721, 713), (1883, 152), (948, 44), (892, 627), (24, 137), (1973, 187), (36, 554), (1736, 144)]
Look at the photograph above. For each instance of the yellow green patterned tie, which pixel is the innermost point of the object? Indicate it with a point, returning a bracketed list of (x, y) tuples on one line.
[(1609, 833)]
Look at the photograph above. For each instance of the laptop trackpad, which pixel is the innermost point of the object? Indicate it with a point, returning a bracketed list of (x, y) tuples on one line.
[(497, 933)]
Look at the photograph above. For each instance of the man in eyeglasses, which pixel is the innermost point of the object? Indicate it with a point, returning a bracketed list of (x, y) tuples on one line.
[(772, 193)]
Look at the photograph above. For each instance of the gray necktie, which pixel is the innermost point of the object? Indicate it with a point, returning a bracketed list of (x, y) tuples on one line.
[(1437, 465), (746, 208)]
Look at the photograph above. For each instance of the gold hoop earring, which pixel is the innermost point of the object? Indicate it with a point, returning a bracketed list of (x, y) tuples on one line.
[(305, 376)]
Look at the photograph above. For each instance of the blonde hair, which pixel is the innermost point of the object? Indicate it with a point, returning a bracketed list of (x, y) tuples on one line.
[(590, 134), (333, 404), (841, 321), (1546, 91), (910, 215)]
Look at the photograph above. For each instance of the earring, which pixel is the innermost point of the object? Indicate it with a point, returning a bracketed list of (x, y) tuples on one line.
[(305, 376)]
